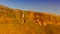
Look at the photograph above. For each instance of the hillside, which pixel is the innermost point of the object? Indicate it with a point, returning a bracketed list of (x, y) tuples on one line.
[(15, 21)]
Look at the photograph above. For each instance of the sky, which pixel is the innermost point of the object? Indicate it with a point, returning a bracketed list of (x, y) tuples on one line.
[(50, 6)]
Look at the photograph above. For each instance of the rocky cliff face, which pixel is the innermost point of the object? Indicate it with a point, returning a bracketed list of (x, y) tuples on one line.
[(42, 18), (15, 21)]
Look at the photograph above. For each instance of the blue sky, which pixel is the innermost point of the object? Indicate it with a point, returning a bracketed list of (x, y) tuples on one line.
[(50, 6)]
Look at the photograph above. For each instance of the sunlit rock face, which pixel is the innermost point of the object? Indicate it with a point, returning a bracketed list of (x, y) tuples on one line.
[(42, 18), (15, 21)]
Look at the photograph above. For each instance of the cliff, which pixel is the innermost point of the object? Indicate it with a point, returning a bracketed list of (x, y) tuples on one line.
[(42, 18), (15, 21)]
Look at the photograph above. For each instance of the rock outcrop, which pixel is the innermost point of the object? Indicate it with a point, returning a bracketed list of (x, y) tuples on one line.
[(42, 18)]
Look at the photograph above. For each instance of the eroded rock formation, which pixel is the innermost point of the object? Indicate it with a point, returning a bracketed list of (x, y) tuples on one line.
[(42, 18), (15, 21)]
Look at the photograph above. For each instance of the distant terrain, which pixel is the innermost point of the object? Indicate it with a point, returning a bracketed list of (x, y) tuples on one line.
[(16, 21)]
